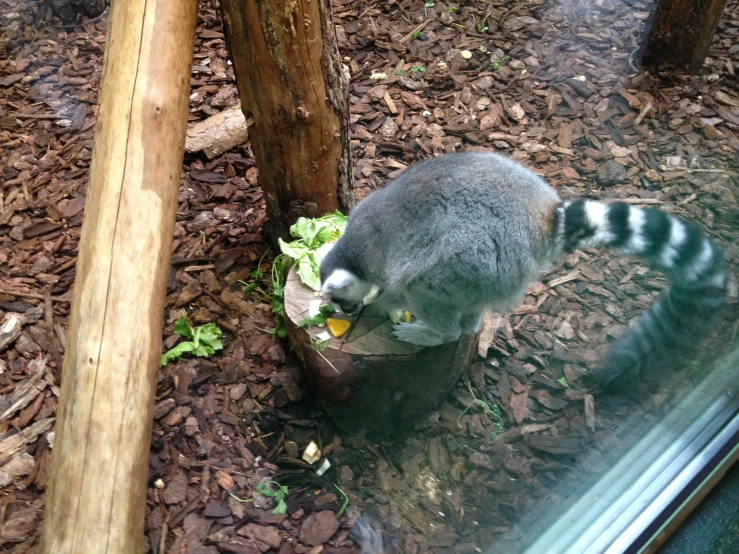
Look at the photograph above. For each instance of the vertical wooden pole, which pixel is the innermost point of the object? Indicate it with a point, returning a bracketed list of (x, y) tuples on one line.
[(682, 32), (289, 77), (97, 493)]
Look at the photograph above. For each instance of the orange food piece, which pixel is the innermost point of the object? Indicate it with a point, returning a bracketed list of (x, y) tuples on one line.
[(338, 327)]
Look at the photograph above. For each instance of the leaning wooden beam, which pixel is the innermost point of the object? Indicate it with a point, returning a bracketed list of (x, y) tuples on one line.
[(96, 499), (290, 80), (219, 133), (682, 32)]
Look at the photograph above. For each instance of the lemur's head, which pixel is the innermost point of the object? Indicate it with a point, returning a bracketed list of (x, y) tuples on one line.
[(342, 285)]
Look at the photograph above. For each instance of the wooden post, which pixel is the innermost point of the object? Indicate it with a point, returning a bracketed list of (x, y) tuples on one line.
[(682, 32), (97, 492), (290, 80)]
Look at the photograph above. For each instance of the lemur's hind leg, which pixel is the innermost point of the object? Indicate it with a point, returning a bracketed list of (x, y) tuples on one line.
[(438, 322)]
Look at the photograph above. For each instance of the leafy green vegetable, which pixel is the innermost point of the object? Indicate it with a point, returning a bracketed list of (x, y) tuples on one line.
[(311, 235), (318, 231), (203, 341), (325, 311)]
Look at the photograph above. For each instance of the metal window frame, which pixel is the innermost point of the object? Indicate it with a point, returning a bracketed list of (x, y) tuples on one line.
[(636, 504)]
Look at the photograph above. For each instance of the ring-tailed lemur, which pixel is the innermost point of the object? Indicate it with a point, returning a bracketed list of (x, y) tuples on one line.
[(460, 233)]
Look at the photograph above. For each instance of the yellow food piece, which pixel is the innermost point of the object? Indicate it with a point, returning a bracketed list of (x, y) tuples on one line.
[(396, 316), (338, 327)]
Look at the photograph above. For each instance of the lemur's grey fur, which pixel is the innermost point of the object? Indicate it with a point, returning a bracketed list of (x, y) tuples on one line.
[(460, 233)]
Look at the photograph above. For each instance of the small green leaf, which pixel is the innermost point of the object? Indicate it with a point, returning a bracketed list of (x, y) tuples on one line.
[(309, 272), (176, 353), (326, 310), (315, 320), (563, 381), (320, 345), (183, 327)]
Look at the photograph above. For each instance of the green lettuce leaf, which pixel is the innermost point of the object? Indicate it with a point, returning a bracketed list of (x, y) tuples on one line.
[(205, 341), (311, 235)]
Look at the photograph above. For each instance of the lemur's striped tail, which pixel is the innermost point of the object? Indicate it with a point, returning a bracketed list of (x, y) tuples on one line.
[(691, 262)]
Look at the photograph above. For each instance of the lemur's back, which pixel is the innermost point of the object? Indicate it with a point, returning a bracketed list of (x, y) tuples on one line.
[(477, 214)]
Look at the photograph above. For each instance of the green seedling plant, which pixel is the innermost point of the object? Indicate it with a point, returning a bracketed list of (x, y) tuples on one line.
[(426, 6), (257, 275), (204, 341), (416, 35), (494, 412), (413, 69), (452, 9), (280, 494), (498, 64), (276, 294), (481, 27), (344, 503)]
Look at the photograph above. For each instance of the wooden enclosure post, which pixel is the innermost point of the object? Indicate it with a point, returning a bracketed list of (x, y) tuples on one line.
[(290, 80), (682, 32), (96, 499)]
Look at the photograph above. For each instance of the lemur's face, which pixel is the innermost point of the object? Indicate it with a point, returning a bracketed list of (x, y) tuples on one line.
[(346, 289)]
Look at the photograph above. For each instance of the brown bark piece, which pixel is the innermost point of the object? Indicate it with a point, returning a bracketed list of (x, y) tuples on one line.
[(318, 528)]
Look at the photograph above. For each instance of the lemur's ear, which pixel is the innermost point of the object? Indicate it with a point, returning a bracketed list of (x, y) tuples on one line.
[(340, 279)]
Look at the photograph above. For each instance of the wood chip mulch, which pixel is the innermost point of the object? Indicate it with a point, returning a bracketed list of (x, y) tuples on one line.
[(555, 85)]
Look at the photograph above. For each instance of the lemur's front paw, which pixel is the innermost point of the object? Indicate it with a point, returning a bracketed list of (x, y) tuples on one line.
[(417, 333)]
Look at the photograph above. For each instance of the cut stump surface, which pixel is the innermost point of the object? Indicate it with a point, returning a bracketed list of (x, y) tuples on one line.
[(368, 381)]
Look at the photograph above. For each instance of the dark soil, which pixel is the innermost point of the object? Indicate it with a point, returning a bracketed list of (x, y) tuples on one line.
[(555, 85)]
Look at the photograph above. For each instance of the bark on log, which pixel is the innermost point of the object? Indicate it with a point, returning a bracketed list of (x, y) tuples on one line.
[(367, 381), (681, 33), (218, 133), (290, 81), (96, 499)]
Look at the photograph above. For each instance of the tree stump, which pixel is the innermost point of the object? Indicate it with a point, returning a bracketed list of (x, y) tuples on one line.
[(367, 381)]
